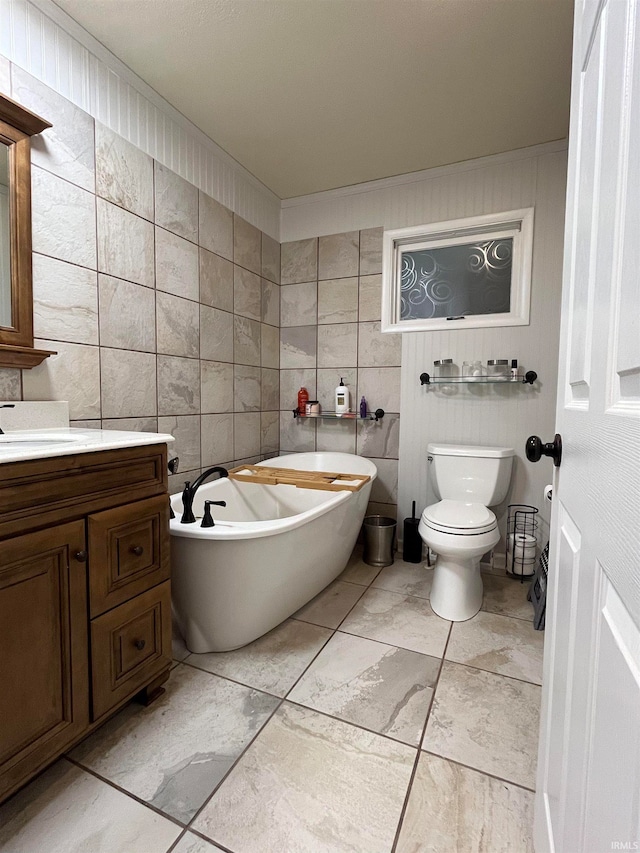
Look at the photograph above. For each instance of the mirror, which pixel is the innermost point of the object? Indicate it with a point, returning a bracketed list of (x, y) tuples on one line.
[(17, 126), (5, 240)]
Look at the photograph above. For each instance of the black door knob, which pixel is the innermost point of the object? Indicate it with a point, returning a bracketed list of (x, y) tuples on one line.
[(81, 556), (536, 449)]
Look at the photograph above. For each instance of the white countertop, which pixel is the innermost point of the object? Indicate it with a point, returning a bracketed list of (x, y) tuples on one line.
[(19, 445)]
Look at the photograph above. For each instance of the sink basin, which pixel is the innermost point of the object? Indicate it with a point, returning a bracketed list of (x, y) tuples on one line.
[(36, 439)]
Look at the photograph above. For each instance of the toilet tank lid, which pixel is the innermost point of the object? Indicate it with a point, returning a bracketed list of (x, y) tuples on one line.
[(469, 450)]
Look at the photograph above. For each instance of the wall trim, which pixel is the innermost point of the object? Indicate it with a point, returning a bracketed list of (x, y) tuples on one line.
[(429, 174)]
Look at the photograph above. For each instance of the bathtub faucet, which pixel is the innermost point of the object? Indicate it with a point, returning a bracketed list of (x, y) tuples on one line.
[(190, 490)]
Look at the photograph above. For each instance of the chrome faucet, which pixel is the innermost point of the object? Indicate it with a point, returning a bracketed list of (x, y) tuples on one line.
[(190, 490)]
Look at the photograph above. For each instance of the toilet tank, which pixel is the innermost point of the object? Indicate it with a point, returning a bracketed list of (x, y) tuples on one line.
[(465, 472)]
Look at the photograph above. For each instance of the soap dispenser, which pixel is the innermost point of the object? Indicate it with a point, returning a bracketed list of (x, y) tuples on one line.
[(342, 398)]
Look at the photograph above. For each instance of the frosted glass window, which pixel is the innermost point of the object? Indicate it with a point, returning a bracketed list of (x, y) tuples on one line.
[(474, 278), (466, 273)]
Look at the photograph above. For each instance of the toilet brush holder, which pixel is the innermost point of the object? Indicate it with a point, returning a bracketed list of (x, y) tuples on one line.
[(411, 539)]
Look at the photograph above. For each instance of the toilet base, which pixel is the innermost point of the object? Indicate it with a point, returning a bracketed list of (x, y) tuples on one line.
[(456, 592)]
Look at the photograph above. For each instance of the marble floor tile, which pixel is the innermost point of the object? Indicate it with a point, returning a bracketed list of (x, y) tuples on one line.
[(357, 571), (173, 753), (400, 620), (379, 687), (505, 595), (485, 721), (77, 813), (190, 843), (452, 808), (311, 783), (271, 663), (498, 644), (406, 578), (330, 606)]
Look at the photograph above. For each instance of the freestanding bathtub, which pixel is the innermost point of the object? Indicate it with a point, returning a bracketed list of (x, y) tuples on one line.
[(272, 549)]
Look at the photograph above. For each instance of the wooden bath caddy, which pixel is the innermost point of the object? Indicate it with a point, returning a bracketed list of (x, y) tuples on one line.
[(300, 479)]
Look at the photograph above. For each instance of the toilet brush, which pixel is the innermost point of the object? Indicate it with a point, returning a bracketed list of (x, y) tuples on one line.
[(412, 543)]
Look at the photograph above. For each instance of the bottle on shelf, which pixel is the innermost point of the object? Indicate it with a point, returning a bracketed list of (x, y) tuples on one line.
[(303, 398), (342, 398), (514, 368), (363, 408)]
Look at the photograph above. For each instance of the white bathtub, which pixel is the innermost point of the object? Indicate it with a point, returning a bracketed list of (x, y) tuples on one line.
[(272, 549)]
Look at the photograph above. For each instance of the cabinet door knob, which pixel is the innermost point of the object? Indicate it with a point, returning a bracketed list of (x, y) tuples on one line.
[(81, 556), (137, 550), (139, 644)]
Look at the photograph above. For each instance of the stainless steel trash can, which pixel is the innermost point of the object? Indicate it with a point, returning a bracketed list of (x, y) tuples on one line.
[(379, 540)]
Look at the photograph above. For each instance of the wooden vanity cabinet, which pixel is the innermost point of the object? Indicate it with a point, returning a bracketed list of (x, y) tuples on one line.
[(85, 598)]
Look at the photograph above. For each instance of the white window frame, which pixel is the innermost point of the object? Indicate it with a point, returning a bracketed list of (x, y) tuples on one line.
[(517, 224)]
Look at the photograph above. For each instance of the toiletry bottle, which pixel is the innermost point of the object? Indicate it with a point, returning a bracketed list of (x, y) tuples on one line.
[(363, 408), (342, 398), (303, 396), (514, 368)]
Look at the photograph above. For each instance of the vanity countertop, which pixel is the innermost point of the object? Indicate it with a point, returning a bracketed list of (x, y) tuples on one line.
[(19, 445)]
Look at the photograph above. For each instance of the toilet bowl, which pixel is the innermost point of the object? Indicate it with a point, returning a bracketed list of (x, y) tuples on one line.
[(460, 528)]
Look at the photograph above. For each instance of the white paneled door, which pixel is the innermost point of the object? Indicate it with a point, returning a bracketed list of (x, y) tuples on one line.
[(588, 791)]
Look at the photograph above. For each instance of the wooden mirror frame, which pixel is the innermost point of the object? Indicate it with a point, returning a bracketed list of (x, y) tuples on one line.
[(17, 126)]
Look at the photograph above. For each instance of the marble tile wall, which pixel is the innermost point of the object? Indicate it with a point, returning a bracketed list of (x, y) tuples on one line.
[(163, 306), (330, 328)]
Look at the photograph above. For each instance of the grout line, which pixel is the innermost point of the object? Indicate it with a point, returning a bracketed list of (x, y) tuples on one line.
[(124, 791), (177, 841), (493, 672), (477, 770), (415, 765)]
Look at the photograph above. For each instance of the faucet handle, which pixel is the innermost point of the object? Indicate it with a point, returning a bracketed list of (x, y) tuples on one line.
[(207, 518)]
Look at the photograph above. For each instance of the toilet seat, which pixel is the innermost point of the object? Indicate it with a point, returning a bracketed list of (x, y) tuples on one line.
[(460, 518)]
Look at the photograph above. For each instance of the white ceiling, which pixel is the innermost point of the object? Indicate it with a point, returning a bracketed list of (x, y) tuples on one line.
[(314, 94)]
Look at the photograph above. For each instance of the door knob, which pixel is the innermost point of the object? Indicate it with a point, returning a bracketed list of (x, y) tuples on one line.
[(536, 449)]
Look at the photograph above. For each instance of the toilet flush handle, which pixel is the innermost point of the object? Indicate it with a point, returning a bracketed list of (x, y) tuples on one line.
[(535, 449)]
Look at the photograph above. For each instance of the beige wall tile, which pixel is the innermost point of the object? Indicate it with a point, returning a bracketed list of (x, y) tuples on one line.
[(217, 439), (63, 219), (296, 434), (216, 281), (370, 305), (299, 261), (338, 255), (299, 304), (247, 245), (127, 314), (328, 381), (337, 435), (247, 388), (178, 385), (177, 265), (178, 325), (124, 173), (371, 251), (72, 374), (298, 346), (376, 349), (385, 486), (128, 383), (338, 345), (379, 438), (270, 302), (246, 434), (290, 383), (270, 399), (10, 384), (176, 203), (338, 300), (380, 386), (216, 334), (125, 244), (269, 432), (246, 341), (186, 431), (133, 424), (65, 301), (216, 384), (247, 293), (270, 259), (215, 226)]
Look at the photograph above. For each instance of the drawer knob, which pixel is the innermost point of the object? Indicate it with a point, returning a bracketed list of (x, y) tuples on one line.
[(81, 556), (137, 550), (139, 644)]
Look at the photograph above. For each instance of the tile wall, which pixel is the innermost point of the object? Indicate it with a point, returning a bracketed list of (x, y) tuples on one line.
[(330, 328), (163, 305)]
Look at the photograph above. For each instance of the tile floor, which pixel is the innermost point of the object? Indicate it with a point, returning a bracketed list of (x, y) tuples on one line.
[(365, 723)]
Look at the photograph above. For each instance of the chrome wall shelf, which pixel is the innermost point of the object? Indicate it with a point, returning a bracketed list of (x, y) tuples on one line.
[(528, 379), (347, 416)]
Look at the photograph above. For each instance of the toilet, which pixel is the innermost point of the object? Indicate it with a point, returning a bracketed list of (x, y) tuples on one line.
[(460, 528)]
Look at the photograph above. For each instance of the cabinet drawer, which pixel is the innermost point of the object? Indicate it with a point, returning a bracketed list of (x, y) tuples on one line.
[(130, 646), (128, 552)]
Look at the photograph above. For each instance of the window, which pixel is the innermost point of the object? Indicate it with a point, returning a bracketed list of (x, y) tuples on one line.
[(466, 273)]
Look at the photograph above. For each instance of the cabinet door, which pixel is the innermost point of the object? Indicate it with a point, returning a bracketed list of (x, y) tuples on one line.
[(43, 638)]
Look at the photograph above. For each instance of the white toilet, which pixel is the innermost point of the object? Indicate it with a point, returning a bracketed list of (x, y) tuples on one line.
[(460, 528)]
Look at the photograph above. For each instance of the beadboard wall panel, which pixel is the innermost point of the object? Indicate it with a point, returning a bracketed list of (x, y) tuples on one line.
[(39, 37), (492, 415)]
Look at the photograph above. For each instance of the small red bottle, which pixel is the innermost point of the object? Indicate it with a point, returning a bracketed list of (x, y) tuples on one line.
[(303, 396)]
